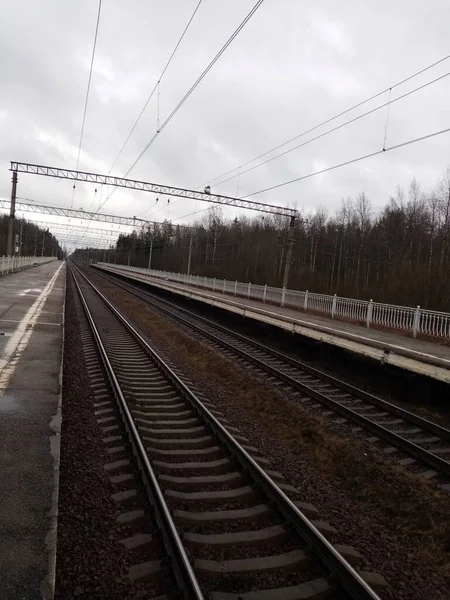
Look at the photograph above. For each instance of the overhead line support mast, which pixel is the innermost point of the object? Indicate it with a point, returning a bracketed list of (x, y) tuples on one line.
[(132, 184)]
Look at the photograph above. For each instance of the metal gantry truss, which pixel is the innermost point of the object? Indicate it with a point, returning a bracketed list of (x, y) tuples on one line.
[(79, 240), (145, 186), (73, 213), (112, 234)]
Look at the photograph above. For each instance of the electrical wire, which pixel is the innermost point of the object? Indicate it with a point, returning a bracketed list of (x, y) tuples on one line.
[(196, 212), (200, 78), (156, 86), (192, 88), (341, 114), (148, 209), (87, 91), (325, 133), (349, 162)]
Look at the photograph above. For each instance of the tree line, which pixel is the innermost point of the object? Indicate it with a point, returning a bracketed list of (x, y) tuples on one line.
[(399, 255), (32, 240)]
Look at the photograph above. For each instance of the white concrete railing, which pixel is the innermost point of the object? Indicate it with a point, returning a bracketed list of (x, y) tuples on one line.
[(413, 320), (12, 264)]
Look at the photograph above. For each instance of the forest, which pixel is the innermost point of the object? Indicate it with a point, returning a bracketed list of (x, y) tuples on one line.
[(398, 255), (33, 240)]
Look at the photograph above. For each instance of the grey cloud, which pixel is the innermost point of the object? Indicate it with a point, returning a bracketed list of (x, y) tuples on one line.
[(291, 67)]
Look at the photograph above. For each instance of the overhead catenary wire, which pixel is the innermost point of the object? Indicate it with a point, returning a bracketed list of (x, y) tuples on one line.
[(197, 82), (329, 120), (342, 125), (334, 167), (192, 88), (88, 90), (351, 161), (156, 87)]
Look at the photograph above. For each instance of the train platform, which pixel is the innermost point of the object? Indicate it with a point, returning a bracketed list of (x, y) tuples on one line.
[(419, 356), (31, 347)]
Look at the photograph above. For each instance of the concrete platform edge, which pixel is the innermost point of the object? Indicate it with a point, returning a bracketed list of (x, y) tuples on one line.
[(48, 583)]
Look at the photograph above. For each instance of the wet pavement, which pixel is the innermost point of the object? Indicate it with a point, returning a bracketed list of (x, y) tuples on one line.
[(31, 336)]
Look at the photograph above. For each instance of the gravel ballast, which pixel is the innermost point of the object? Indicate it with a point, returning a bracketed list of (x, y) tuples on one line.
[(398, 522)]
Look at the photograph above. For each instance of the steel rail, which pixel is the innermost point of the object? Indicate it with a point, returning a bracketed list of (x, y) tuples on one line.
[(348, 577), (179, 560), (427, 457)]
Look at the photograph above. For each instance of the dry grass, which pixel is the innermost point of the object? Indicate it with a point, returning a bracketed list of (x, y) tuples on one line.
[(416, 513)]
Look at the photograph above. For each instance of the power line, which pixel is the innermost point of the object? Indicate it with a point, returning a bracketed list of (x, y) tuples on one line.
[(156, 85), (200, 78), (196, 212), (149, 208), (325, 133), (349, 162), (354, 107), (88, 89), (192, 88)]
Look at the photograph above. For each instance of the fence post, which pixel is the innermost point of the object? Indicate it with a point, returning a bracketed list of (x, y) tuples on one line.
[(283, 295), (369, 313), (235, 288), (265, 293), (248, 291), (333, 308), (416, 322), (224, 284), (214, 285), (305, 302)]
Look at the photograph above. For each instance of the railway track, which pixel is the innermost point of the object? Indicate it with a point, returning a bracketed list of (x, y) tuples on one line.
[(421, 445), (228, 525)]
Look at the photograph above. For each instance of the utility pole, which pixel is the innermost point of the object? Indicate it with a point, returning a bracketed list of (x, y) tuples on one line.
[(290, 244), (189, 255), (150, 255), (10, 250), (43, 243)]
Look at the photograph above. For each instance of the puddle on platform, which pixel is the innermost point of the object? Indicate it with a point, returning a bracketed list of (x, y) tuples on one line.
[(9, 403)]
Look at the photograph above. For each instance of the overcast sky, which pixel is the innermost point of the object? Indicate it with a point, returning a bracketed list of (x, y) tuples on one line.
[(293, 65)]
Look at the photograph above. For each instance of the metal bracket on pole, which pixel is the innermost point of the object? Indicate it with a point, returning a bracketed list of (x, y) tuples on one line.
[(10, 251), (150, 255), (369, 313), (333, 306), (416, 321), (189, 255), (290, 244)]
